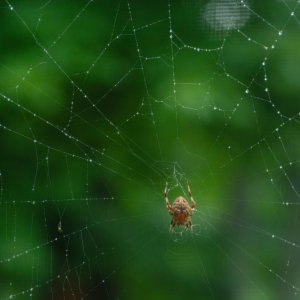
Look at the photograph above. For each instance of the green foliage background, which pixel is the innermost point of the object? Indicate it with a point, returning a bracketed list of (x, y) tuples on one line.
[(99, 166)]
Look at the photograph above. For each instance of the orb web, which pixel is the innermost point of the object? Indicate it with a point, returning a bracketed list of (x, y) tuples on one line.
[(102, 104)]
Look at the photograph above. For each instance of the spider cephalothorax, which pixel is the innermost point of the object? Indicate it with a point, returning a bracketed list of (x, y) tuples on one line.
[(181, 210)]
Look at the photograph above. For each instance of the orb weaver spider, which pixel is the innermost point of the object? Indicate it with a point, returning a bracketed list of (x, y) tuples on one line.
[(181, 210)]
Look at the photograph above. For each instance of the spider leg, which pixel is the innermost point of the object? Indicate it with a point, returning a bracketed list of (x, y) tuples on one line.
[(169, 207), (191, 197), (172, 225), (189, 225)]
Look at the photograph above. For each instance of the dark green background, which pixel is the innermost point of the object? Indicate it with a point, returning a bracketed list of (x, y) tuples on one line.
[(99, 166)]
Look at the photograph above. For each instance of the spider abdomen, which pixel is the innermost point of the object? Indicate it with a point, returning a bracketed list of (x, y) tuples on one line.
[(181, 211)]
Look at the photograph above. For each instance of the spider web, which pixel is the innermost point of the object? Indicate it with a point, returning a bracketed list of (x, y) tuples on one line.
[(102, 103)]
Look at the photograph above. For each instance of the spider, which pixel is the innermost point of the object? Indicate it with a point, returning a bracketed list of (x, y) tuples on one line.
[(181, 210)]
